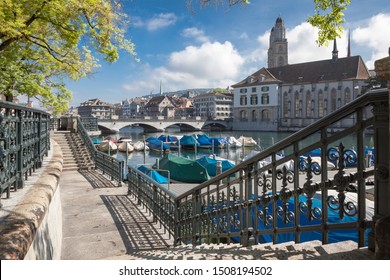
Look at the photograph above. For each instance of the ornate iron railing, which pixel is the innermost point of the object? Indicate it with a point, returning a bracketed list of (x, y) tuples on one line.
[(24, 141), (318, 186), (104, 162), (90, 123)]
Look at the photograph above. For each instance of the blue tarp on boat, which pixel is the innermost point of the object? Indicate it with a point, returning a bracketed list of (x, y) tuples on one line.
[(218, 142), (156, 144), (167, 138), (333, 218), (211, 164), (188, 141), (153, 174), (203, 140), (95, 140)]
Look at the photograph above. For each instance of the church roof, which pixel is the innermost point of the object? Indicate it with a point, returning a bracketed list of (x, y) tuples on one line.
[(346, 68)]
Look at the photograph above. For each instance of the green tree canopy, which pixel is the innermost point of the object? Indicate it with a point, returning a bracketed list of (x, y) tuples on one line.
[(42, 42)]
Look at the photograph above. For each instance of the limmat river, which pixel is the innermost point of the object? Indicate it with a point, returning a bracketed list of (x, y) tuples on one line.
[(264, 140)]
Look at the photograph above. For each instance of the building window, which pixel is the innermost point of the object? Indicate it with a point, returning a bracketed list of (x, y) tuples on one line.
[(243, 116), (264, 99), (243, 90), (253, 89), (333, 102), (286, 104), (243, 100), (309, 109), (265, 115), (254, 99), (264, 89), (320, 104), (297, 105), (347, 96), (254, 116)]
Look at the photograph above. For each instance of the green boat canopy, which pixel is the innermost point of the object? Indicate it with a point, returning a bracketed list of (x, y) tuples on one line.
[(183, 169)]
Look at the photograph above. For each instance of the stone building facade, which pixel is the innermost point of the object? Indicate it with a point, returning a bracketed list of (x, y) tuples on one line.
[(298, 94)]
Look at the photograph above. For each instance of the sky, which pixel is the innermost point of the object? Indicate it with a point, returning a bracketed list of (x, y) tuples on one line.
[(219, 46)]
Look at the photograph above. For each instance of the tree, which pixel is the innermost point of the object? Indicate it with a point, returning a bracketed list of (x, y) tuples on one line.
[(44, 42)]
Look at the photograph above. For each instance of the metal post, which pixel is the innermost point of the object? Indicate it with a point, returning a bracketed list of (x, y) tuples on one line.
[(144, 150), (382, 191)]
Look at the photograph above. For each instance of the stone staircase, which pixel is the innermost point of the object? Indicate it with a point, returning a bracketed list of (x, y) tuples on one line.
[(75, 154), (312, 250)]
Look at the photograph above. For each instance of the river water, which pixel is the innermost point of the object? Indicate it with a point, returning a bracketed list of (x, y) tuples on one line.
[(264, 140)]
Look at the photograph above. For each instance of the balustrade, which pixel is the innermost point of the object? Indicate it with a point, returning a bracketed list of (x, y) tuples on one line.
[(311, 185), (24, 141)]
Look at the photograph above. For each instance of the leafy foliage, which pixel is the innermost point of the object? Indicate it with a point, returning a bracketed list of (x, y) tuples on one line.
[(43, 42), (328, 17)]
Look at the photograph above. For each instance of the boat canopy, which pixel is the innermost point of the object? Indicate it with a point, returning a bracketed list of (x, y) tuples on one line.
[(153, 174), (211, 164), (184, 169)]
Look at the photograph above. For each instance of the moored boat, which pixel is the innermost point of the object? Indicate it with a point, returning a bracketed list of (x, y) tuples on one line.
[(232, 142), (188, 142), (140, 146), (125, 147), (183, 169), (211, 164), (158, 146), (247, 141), (107, 146), (153, 174)]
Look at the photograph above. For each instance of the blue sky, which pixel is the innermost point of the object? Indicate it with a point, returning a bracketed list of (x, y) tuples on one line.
[(218, 46)]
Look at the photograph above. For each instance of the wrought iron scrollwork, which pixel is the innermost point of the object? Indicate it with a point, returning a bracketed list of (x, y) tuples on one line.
[(285, 194), (264, 215), (341, 181), (309, 190), (235, 221), (303, 165), (235, 195)]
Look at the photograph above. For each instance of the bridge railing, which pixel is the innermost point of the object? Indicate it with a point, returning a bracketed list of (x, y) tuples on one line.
[(274, 198), (24, 141), (104, 162)]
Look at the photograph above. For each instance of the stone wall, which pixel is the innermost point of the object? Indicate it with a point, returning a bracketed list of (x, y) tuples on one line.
[(33, 228)]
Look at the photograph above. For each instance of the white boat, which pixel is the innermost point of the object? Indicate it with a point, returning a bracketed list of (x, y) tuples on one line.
[(124, 139), (125, 147), (140, 146), (232, 142), (107, 145), (247, 141)]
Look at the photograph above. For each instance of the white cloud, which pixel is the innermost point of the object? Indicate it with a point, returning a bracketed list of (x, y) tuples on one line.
[(195, 33), (302, 46), (209, 65), (157, 22), (160, 21), (375, 37)]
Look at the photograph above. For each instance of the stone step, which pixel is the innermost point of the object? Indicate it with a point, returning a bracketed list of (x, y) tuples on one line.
[(284, 251)]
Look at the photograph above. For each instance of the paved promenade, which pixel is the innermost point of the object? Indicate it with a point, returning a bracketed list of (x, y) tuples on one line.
[(100, 221)]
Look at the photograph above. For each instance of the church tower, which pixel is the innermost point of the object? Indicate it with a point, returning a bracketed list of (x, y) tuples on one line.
[(278, 46)]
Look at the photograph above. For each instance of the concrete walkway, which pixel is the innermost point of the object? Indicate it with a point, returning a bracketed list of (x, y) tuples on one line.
[(101, 222)]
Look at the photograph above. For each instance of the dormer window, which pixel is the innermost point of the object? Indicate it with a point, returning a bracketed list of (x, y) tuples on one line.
[(250, 80)]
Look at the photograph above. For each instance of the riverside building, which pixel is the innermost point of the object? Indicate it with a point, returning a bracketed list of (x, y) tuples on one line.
[(288, 97)]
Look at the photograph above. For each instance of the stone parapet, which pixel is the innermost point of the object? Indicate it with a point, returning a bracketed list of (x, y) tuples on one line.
[(23, 223)]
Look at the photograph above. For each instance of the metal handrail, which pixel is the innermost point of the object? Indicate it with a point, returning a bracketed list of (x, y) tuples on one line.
[(362, 101), (268, 195), (24, 141), (104, 162)]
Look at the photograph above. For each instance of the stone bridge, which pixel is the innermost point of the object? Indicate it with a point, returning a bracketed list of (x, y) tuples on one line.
[(161, 124)]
